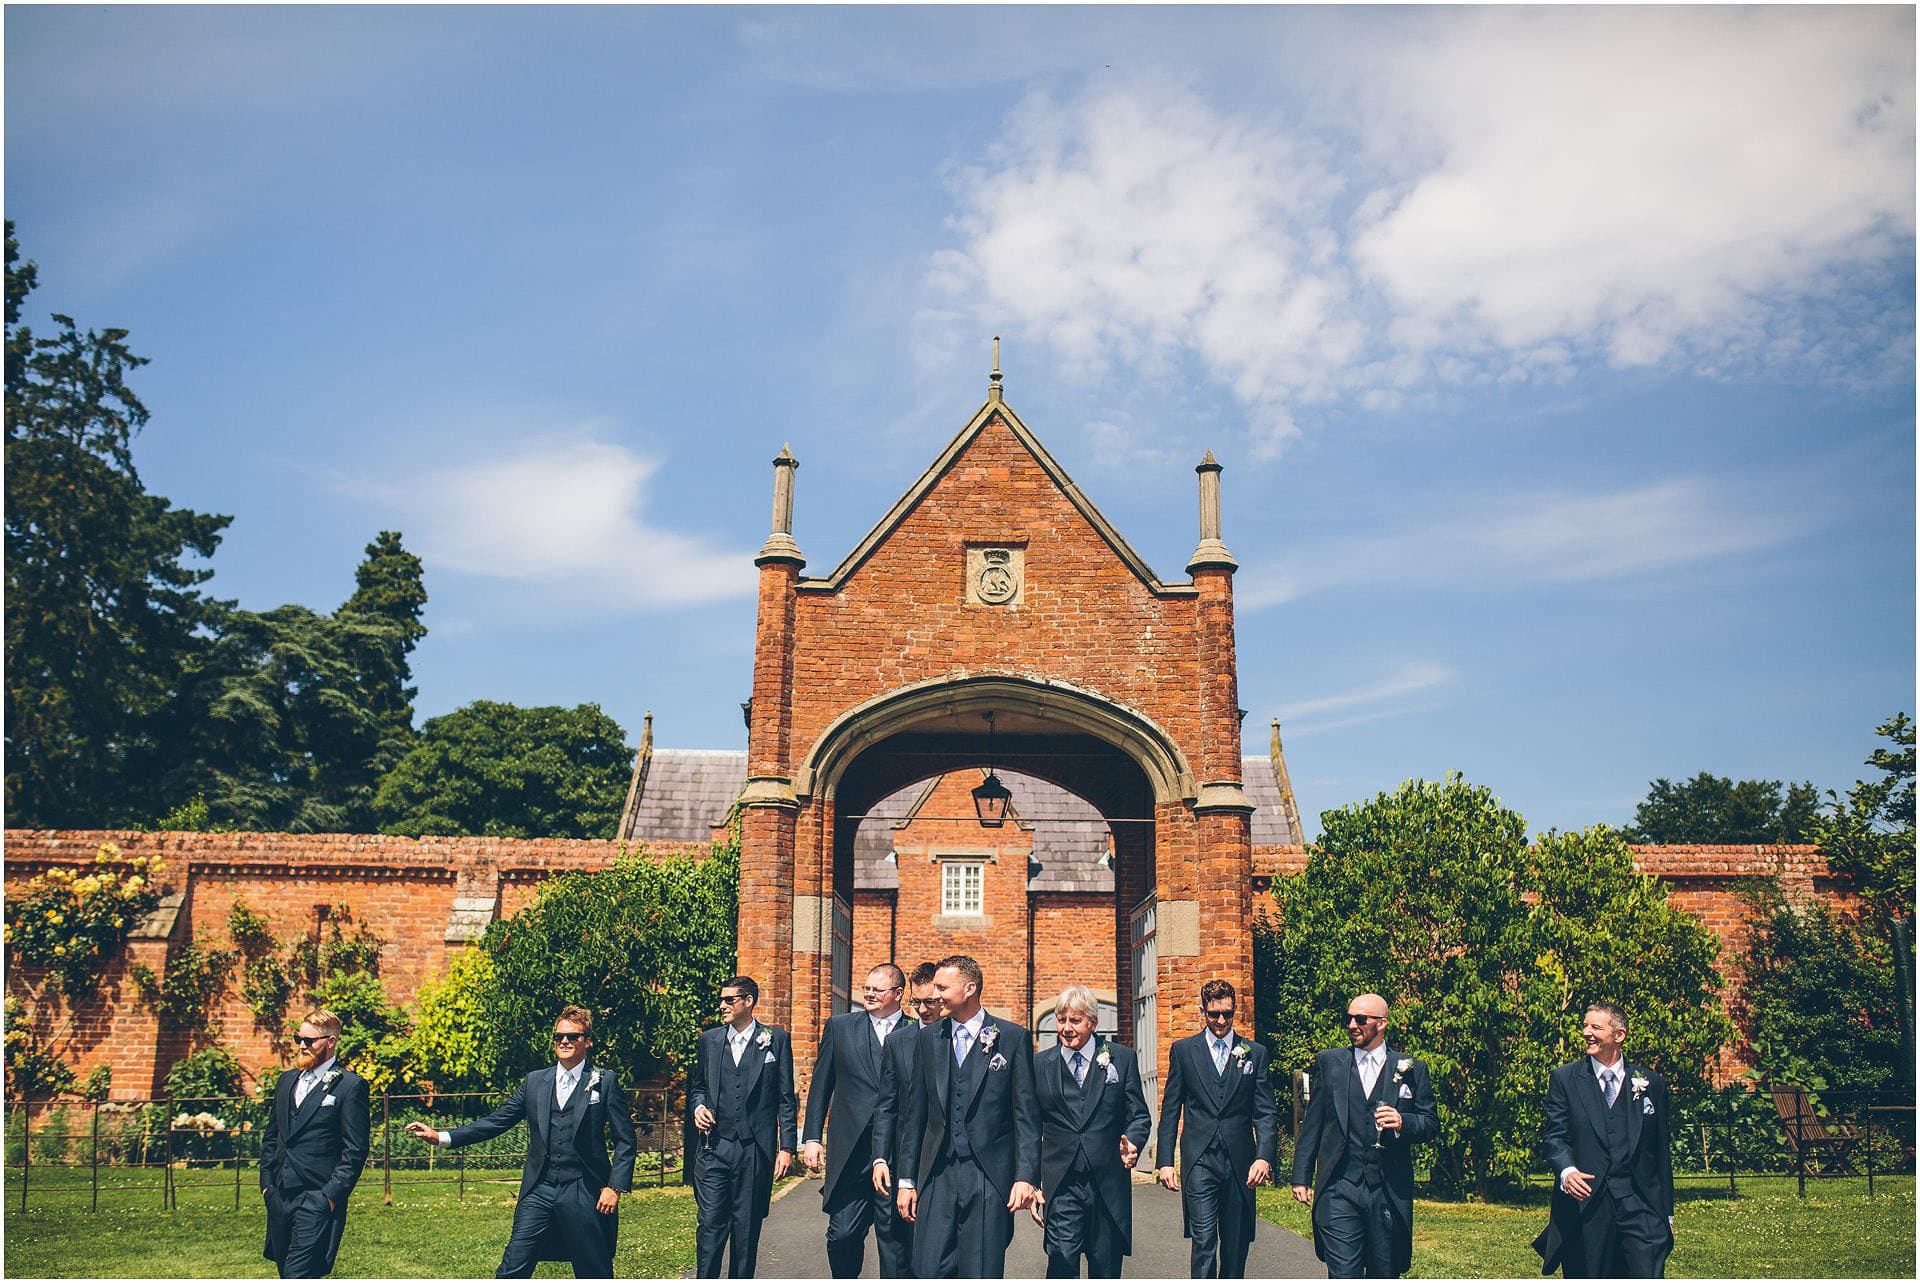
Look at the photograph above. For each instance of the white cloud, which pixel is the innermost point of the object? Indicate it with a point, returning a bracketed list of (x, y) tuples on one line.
[(1644, 179), (1522, 194), (1549, 538), (564, 519), (1408, 679)]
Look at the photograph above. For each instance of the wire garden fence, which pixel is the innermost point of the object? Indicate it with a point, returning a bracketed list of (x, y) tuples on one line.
[(129, 1152)]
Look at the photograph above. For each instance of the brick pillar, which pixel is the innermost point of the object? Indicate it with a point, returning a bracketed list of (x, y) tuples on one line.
[(1204, 884), (768, 905)]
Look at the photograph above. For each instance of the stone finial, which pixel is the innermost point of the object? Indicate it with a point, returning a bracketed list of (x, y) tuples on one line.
[(993, 379), (780, 545), (1288, 806), (1211, 552)]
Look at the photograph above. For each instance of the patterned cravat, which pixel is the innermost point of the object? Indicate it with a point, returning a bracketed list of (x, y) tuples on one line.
[(1079, 1069), (962, 1036)]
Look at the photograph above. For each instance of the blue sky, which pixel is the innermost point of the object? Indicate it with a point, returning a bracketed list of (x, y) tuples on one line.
[(1562, 362)]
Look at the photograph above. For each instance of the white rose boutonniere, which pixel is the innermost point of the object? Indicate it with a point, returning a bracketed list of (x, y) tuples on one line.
[(1242, 1049), (1639, 1086), (331, 1077), (1105, 1057), (765, 1039), (1401, 1066), (989, 1036)]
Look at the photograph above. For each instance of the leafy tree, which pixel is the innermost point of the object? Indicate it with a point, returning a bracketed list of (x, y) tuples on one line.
[(102, 610), (456, 1043), (497, 770), (643, 944), (1489, 952), (390, 586), (211, 1071), (1712, 810), (1869, 837), (290, 719), (1821, 1004)]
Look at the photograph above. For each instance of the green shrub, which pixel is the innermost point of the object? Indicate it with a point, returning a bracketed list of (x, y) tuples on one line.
[(209, 1073)]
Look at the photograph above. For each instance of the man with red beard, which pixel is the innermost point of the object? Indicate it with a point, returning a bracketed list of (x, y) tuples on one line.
[(312, 1151)]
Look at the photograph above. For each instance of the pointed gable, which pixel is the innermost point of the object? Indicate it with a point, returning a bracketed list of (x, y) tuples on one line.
[(993, 416)]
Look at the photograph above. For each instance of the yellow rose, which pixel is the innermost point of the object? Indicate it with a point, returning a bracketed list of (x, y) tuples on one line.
[(135, 882), (55, 918), (60, 949)]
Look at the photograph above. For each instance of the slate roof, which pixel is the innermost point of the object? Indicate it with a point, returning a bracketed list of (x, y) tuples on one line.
[(689, 790)]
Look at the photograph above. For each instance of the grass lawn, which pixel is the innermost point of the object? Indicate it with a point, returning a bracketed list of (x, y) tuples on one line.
[(1765, 1232), (428, 1232)]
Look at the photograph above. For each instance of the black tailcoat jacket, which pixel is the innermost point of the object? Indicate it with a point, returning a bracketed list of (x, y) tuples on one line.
[(313, 1152), (1328, 1130), (1086, 1127), (848, 1077), (1236, 1107), (1575, 1134), (772, 1109), (532, 1102), (997, 1104)]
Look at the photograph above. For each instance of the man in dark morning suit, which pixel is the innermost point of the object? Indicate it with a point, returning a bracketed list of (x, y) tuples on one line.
[(1607, 1142), (743, 1102), (1093, 1123), (1367, 1107), (569, 1208), (311, 1152), (847, 1080), (895, 1080), (1218, 1082), (968, 1141)]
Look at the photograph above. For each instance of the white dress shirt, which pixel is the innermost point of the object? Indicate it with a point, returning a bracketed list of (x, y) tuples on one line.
[(1221, 1048), (883, 1025), (1086, 1058), (738, 1042), (1369, 1064), (309, 1077)]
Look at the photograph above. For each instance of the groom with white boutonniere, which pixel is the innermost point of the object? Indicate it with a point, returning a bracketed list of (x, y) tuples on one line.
[(968, 1144), (1607, 1143), (569, 1208), (742, 1098), (1367, 1107)]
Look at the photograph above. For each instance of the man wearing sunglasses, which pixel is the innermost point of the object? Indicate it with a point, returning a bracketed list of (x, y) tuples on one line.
[(846, 1083), (311, 1152), (1218, 1081), (1367, 1107), (569, 1208), (743, 1102)]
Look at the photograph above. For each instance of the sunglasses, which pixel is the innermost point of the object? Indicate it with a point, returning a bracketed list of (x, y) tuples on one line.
[(1219, 1015), (1363, 1020), (560, 1037), (303, 1040), (728, 999)]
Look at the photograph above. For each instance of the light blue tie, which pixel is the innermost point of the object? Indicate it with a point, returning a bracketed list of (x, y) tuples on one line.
[(962, 1037), (1219, 1056), (1610, 1084), (1079, 1069)]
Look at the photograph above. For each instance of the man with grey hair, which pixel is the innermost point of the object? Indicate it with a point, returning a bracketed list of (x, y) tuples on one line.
[(1093, 1123), (1606, 1140)]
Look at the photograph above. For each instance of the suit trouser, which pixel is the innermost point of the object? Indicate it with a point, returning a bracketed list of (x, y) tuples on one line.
[(855, 1205), (728, 1188), (558, 1213), (1355, 1220), (313, 1235), (1620, 1238), (1219, 1220), (962, 1224), (1079, 1224)]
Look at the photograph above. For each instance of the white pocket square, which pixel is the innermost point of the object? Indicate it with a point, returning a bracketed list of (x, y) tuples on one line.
[(1246, 1066), (326, 1100), (1646, 1107), (1113, 1073), (770, 1059), (1406, 1092), (593, 1098)]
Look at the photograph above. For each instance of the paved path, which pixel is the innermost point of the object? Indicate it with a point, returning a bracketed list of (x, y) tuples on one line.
[(793, 1243)]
